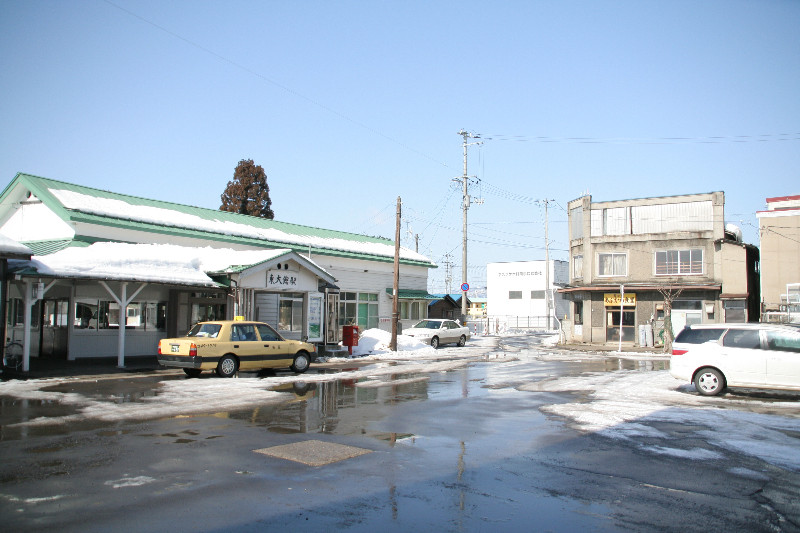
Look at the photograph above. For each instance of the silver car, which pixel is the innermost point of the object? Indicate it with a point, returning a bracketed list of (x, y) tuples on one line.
[(438, 331)]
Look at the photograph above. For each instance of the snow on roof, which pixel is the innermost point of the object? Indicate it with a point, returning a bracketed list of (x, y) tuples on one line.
[(117, 208), (156, 263), (10, 246)]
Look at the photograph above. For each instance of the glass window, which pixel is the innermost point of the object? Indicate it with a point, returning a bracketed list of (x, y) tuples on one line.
[(679, 262), (612, 264), (360, 309), (243, 333), (290, 312), (577, 266), (85, 314), (537, 295), (267, 333), (205, 330), (699, 335), (742, 338), (578, 313), (515, 295), (785, 341)]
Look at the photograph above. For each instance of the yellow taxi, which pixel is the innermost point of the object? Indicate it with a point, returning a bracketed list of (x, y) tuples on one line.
[(228, 346)]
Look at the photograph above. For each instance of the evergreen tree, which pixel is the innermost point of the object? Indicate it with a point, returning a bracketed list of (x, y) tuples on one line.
[(248, 193)]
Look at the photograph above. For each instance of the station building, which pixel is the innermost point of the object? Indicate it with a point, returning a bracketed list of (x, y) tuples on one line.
[(111, 274)]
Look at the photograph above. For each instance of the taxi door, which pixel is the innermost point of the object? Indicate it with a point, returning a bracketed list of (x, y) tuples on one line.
[(278, 351), (245, 344)]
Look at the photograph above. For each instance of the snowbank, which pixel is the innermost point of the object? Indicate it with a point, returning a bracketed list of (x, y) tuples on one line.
[(376, 342)]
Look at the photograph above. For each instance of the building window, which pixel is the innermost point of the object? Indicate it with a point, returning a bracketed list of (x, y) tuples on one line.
[(412, 310), (537, 295), (612, 264), (679, 262), (92, 315), (578, 307), (577, 266), (290, 312), (515, 295), (359, 309)]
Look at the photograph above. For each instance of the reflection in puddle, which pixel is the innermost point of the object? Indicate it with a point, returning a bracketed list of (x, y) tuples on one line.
[(342, 407)]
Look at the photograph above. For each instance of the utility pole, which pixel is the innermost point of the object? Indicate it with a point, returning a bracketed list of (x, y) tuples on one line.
[(465, 206), (396, 284), (546, 265), (448, 275)]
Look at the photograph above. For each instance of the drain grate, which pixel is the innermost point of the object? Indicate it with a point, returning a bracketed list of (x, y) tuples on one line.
[(314, 452)]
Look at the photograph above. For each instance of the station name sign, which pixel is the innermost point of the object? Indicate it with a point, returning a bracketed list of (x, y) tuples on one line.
[(613, 299)]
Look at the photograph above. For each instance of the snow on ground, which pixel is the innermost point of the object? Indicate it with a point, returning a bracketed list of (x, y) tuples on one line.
[(193, 396), (635, 405)]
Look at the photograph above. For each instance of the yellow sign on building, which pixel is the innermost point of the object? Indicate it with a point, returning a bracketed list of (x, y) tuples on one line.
[(612, 299)]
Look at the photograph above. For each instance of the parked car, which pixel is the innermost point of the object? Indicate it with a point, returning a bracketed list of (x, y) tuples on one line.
[(435, 331), (716, 356), (228, 346)]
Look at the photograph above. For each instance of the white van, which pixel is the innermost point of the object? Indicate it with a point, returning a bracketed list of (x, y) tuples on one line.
[(716, 356)]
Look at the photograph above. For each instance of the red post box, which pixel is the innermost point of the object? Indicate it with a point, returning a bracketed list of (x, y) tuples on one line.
[(350, 337)]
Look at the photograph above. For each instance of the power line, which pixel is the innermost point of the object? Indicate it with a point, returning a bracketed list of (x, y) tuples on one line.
[(720, 139), (277, 84)]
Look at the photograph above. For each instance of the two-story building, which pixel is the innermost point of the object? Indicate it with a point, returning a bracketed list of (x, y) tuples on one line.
[(629, 258)]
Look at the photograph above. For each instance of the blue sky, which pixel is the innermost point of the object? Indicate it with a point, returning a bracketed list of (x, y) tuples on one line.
[(348, 105)]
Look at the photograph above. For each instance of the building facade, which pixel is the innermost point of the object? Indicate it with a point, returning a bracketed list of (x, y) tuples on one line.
[(75, 298), (630, 258), (518, 294), (779, 230)]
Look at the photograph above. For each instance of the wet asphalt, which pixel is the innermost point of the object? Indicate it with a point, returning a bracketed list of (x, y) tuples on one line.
[(457, 450)]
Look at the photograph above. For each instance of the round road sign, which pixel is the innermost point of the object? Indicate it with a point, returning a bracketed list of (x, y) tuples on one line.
[(465, 287)]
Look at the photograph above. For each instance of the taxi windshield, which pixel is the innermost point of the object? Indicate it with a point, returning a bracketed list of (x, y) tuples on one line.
[(205, 330)]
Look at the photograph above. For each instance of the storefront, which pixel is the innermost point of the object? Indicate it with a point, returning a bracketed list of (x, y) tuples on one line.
[(601, 313)]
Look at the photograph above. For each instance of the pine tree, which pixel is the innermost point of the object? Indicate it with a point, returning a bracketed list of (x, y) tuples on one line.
[(248, 193)]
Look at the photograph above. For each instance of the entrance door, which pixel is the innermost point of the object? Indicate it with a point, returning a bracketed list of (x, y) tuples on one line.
[(54, 329), (332, 328), (613, 326)]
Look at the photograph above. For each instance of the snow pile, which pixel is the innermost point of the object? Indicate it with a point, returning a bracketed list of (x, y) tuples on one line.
[(376, 342)]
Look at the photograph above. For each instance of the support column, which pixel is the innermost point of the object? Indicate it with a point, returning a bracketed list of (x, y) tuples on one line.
[(122, 300)]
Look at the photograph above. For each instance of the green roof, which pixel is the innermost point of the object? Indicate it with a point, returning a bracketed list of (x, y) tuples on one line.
[(412, 294), (167, 218), (51, 247)]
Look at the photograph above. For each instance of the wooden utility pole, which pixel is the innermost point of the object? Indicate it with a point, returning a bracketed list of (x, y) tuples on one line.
[(395, 285)]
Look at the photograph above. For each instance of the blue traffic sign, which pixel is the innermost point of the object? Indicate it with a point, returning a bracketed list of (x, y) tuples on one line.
[(465, 287)]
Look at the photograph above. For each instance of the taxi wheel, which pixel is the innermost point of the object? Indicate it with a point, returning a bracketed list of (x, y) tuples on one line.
[(462, 340), (227, 366), (435, 342), (301, 363)]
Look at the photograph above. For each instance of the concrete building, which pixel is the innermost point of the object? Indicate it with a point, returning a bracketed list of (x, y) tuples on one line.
[(515, 293), (625, 255), (779, 228)]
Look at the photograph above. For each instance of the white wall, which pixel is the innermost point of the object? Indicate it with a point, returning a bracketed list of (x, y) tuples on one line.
[(524, 277)]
